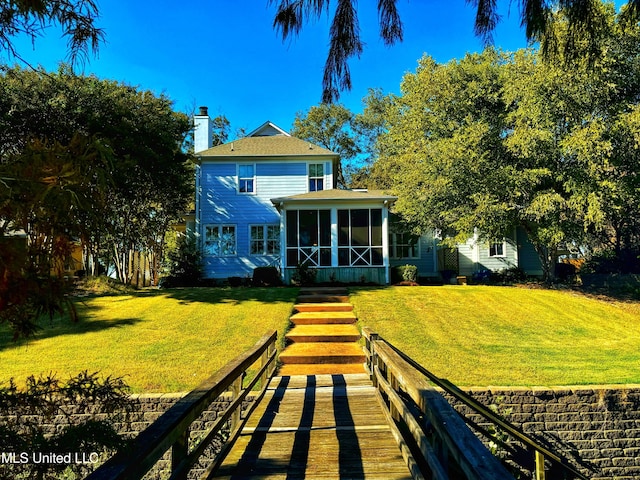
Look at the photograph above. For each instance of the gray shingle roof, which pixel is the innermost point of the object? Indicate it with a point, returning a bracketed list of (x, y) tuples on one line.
[(267, 146)]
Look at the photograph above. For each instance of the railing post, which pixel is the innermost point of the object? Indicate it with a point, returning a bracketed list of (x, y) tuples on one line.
[(179, 450), (373, 358), (236, 388), (540, 473)]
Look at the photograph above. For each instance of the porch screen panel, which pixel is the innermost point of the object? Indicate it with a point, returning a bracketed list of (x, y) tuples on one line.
[(309, 237), (360, 237)]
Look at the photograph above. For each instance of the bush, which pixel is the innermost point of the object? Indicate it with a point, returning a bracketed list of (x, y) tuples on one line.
[(626, 261), (183, 265), (304, 275), (266, 277), (404, 273)]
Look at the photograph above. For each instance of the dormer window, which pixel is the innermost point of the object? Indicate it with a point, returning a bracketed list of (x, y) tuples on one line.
[(246, 178), (316, 177)]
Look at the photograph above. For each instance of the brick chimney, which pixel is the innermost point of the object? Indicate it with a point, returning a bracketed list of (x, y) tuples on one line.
[(202, 135)]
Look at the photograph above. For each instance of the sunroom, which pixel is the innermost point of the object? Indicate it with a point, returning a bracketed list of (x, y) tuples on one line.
[(343, 234)]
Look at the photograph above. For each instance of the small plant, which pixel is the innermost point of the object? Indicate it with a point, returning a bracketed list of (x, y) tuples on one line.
[(304, 274), (405, 273)]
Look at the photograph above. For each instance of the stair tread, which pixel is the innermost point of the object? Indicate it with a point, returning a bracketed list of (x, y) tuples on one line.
[(321, 349), (325, 329)]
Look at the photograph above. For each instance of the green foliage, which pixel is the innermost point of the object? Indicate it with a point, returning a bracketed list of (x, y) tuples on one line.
[(404, 273), (304, 275), (183, 264), (494, 141), (331, 126), (89, 160), (43, 401), (76, 18)]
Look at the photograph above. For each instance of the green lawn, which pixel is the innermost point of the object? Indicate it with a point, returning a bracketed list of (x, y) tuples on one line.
[(159, 341), (481, 336)]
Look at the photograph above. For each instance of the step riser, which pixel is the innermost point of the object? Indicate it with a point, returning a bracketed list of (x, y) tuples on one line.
[(323, 321), (337, 359), (324, 369), (323, 299), (322, 338), (324, 291), (324, 308)]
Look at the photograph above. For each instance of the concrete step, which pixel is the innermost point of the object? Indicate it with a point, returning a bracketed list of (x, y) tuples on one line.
[(322, 353), (313, 298), (323, 307), (323, 318), (323, 333), (321, 369)]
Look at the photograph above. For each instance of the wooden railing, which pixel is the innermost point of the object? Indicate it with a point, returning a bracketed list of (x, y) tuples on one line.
[(171, 430), (448, 447)]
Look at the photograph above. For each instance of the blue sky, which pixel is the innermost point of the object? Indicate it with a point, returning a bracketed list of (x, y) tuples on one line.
[(225, 54)]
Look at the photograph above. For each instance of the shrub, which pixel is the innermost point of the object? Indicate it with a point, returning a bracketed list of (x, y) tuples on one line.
[(266, 277), (404, 273), (625, 261), (183, 265), (304, 275)]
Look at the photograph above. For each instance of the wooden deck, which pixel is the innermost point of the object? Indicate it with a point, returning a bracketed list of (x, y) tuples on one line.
[(317, 426)]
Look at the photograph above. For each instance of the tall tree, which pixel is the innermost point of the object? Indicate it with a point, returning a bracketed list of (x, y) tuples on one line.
[(76, 18), (497, 141), (83, 159), (584, 17), (331, 126)]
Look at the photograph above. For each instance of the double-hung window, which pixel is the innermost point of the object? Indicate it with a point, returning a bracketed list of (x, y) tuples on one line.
[(220, 240), (316, 177), (246, 178), (264, 239), (496, 249)]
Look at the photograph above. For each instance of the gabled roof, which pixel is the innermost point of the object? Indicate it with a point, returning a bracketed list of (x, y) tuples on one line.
[(268, 129), (337, 195), (269, 146)]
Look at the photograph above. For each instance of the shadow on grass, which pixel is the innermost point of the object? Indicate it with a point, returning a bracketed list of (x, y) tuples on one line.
[(230, 295), (61, 326)]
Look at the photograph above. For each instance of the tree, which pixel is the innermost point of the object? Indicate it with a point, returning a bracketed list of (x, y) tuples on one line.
[(497, 141), (83, 159), (584, 23), (331, 126), (76, 18)]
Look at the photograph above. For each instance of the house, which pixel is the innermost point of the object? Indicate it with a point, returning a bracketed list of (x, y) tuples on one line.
[(270, 199)]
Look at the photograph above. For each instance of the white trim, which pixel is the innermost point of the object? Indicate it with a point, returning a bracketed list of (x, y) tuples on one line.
[(254, 179), (220, 226), (265, 125)]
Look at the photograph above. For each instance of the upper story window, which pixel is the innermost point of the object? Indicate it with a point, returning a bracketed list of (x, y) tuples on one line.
[(246, 178), (316, 177), (496, 249)]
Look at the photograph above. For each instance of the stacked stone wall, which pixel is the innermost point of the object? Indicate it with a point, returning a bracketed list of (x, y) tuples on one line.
[(597, 428)]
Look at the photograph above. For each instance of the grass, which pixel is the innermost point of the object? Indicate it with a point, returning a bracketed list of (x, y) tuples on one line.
[(482, 336), (159, 341)]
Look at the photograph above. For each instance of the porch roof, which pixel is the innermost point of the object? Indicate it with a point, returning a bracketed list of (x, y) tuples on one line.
[(337, 195)]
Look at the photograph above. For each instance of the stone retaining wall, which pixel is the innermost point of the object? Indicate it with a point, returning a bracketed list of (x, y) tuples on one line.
[(598, 428)]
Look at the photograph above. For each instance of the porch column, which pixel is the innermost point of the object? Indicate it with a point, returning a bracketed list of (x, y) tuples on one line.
[(283, 241), (334, 237), (385, 242)]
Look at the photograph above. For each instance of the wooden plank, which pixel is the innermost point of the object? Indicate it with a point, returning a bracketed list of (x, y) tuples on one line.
[(324, 426)]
